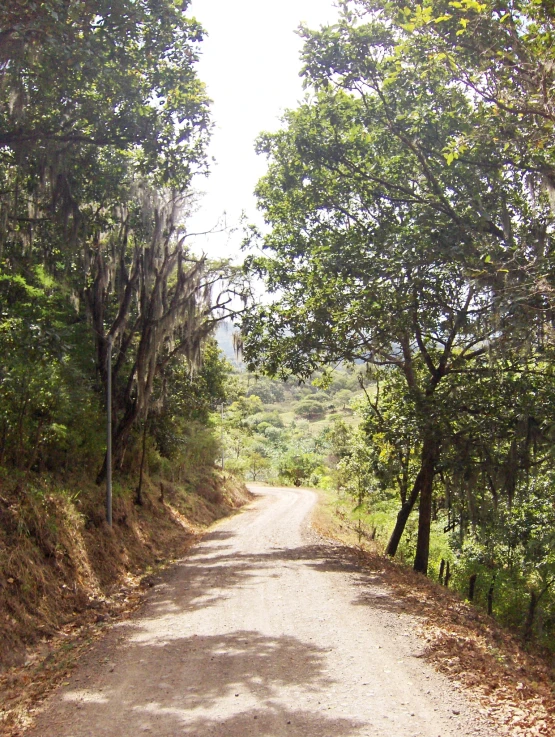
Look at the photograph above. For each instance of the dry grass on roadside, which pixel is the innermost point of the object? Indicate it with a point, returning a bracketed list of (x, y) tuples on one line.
[(65, 576)]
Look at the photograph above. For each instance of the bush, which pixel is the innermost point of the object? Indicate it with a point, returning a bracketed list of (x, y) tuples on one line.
[(297, 467), (310, 408)]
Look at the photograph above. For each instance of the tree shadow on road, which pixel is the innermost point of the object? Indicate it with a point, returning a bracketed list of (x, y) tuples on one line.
[(276, 720), (209, 575), (212, 571), (226, 685), (372, 580)]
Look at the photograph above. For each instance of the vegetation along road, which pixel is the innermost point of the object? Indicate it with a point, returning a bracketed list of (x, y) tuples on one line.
[(263, 629)]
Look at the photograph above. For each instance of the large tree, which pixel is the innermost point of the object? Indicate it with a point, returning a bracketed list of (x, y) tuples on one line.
[(387, 246), (155, 301), (116, 74), (103, 123)]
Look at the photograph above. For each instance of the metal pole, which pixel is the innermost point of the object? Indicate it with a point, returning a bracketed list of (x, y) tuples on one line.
[(222, 436), (109, 433)]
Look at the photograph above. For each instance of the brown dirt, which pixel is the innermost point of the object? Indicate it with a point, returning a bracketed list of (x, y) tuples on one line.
[(514, 687), (513, 683), (64, 575), (264, 630)]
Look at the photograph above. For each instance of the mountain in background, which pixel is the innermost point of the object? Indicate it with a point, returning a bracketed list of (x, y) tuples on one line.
[(224, 338)]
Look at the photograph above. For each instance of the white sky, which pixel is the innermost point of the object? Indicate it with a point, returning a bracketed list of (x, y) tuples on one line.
[(250, 64)]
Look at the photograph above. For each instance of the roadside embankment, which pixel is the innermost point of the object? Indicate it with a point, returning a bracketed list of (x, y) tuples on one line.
[(64, 574), (512, 681)]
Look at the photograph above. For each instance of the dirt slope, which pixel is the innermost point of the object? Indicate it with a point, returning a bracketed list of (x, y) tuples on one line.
[(261, 630), (61, 566)]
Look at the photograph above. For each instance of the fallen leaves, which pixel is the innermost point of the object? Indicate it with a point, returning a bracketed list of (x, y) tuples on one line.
[(513, 685), (55, 643)]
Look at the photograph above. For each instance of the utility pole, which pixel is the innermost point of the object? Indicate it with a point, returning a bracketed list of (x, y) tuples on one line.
[(222, 433), (109, 432)]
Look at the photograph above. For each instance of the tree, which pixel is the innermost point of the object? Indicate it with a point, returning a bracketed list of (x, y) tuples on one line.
[(297, 466), (155, 303), (243, 408), (342, 398), (85, 76), (103, 122), (257, 464), (311, 408), (181, 397), (501, 52), (384, 248), (49, 414)]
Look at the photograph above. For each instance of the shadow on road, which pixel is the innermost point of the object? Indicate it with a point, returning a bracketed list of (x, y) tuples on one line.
[(241, 674), (272, 721), (195, 674), (213, 570)]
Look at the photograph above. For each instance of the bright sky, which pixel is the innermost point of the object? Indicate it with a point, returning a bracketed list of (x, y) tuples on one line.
[(250, 63)]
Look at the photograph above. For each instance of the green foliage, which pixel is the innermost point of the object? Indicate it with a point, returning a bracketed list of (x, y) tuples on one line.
[(342, 399), (311, 408), (103, 123), (257, 465), (411, 213), (338, 437), (49, 415), (81, 78), (401, 233), (297, 467), (184, 397), (274, 435), (263, 420), (243, 410), (197, 452), (268, 391)]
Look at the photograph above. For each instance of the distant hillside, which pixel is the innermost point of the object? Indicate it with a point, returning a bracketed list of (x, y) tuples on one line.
[(224, 336)]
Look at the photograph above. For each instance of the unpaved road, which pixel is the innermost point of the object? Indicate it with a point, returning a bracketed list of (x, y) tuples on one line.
[(262, 630)]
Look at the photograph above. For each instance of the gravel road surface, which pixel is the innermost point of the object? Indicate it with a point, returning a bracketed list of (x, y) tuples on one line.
[(263, 630)]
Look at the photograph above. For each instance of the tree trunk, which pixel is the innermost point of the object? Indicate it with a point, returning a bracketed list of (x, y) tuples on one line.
[(139, 492), (3, 443), (441, 571), (119, 440), (490, 595), (529, 624), (472, 586), (402, 518), (430, 452), (36, 448)]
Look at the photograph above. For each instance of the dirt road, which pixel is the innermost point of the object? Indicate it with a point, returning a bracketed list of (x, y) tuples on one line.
[(262, 630)]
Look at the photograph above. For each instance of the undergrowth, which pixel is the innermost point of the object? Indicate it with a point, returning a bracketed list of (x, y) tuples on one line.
[(513, 680), (59, 559)]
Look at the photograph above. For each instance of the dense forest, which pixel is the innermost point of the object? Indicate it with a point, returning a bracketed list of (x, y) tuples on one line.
[(405, 355), (104, 123), (410, 209)]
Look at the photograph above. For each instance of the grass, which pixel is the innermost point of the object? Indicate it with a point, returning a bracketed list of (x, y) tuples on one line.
[(370, 527), (513, 683), (286, 411), (66, 572), (335, 517)]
